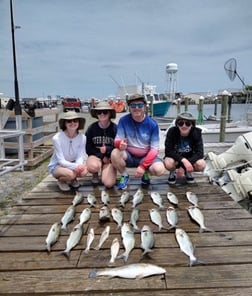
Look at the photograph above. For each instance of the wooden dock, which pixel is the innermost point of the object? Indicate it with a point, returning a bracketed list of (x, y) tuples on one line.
[(27, 269)]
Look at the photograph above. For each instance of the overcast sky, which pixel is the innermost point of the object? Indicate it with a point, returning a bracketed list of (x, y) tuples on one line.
[(86, 48)]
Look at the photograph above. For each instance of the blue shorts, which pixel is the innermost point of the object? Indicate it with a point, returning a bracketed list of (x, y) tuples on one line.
[(134, 161), (52, 168)]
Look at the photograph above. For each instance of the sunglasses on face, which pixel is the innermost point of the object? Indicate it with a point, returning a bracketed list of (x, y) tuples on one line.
[(99, 112), (136, 105), (184, 122), (72, 120)]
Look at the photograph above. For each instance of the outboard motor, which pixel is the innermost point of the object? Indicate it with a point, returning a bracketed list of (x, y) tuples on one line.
[(240, 154)]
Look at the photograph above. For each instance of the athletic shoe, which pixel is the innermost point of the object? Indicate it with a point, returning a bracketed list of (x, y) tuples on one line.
[(75, 184), (172, 177), (95, 179), (146, 179), (189, 178), (123, 182), (63, 186)]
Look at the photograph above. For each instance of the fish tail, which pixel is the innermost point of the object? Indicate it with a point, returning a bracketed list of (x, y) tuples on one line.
[(206, 229), (66, 254), (92, 273), (196, 261), (86, 251)]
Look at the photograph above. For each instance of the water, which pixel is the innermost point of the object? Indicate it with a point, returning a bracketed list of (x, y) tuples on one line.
[(238, 111)]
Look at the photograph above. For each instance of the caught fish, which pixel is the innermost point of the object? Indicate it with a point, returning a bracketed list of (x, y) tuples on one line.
[(131, 271), (192, 198), (73, 239), (126, 227), (156, 218), (186, 245), (137, 197), (157, 199), (91, 199), (172, 198), (134, 217), (117, 216), (172, 217), (85, 216), (104, 236), (104, 214), (147, 239), (128, 243), (67, 217), (90, 239), (124, 198), (105, 198), (78, 198), (196, 214), (53, 235), (114, 250)]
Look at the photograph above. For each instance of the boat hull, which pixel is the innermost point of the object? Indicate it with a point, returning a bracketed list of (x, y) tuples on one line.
[(160, 108)]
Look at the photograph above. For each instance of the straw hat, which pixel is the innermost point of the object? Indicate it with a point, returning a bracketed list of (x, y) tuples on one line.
[(136, 97), (71, 115), (186, 116), (103, 105)]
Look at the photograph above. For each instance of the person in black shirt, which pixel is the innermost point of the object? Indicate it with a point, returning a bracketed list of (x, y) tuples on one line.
[(184, 150), (100, 142)]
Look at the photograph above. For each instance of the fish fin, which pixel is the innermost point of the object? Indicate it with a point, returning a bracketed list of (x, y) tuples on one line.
[(66, 254), (86, 251), (196, 262), (146, 252), (92, 274), (206, 229)]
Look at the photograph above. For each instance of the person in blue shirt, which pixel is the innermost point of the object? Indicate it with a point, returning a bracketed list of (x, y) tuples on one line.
[(137, 143)]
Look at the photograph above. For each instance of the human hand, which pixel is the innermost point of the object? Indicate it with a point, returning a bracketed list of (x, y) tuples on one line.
[(123, 144), (188, 166), (103, 149), (105, 160), (139, 172)]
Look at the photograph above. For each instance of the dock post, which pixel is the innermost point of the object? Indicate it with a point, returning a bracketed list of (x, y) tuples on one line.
[(178, 106), (223, 119), (200, 110), (186, 104), (229, 108), (215, 106)]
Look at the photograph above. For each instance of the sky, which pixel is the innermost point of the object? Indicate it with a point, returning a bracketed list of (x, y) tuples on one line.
[(87, 48)]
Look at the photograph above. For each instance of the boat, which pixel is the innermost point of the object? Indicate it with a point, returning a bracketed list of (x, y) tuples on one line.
[(158, 104)]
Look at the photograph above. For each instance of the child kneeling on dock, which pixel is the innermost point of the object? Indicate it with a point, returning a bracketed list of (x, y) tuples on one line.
[(184, 150)]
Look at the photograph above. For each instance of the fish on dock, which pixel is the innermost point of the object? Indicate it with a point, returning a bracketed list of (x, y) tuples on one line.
[(131, 271), (73, 240), (156, 218), (104, 214), (124, 198), (157, 199), (172, 198), (78, 198), (104, 236), (117, 216), (172, 217), (134, 217), (85, 216), (196, 214), (192, 198), (114, 250), (53, 235), (91, 199), (90, 239), (67, 217), (105, 198), (147, 239), (137, 197)]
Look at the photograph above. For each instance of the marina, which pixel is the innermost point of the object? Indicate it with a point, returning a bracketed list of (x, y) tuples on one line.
[(28, 269)]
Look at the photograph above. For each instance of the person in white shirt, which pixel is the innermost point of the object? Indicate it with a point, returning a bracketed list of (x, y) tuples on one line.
[(67, 161)]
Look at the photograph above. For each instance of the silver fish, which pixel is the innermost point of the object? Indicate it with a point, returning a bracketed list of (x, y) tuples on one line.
[(172, 217), (156, 218), (137, 197), (128, 243), (126, 227), (117, 215), (192, 198), (91, 199), (105, 198), (114, 250), (104, 236), (90, 239), (73, 239), (124, 198), (196, 214), (157, 199), (131, 271), (172, 198), (67, 217), (134, 217), (85, 216), (104, 214), (78, 198), (186, 245), (53, 235), (147, 239)]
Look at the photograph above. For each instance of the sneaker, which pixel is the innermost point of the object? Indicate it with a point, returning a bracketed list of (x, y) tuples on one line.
[(63, 186), (95, 179), (75, 184), (123, 182), (189, 178), (172, 177), (146, 179)]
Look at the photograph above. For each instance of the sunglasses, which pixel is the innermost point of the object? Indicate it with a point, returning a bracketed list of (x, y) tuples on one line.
[(184, 122), (136, 105), (99, 112), (72, 120)]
